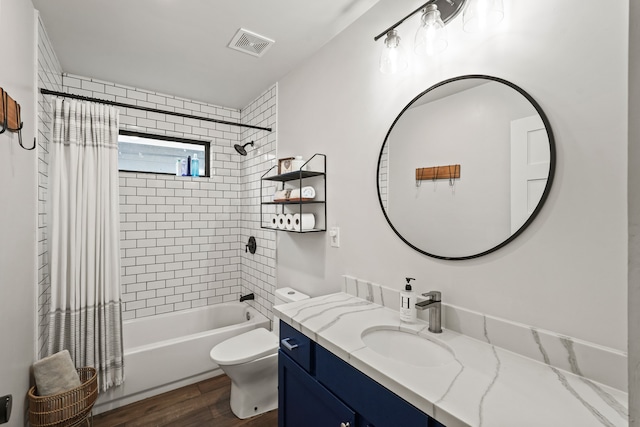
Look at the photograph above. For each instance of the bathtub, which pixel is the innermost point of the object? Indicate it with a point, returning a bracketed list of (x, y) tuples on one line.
[(170, 351)]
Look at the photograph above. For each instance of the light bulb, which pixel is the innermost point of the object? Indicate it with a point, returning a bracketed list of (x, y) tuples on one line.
[(431, 37), (480, 15), (393, 58)]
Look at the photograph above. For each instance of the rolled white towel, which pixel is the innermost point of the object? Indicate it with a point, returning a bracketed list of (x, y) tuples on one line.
[(304, 193), (308, 192), (55, 374)]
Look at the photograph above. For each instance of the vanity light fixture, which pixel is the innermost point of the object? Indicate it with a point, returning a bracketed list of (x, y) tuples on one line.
[(480, 15), (431, 36), (393, 58)]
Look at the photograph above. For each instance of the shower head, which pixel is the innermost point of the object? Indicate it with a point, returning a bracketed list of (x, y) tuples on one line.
[(240, 148)]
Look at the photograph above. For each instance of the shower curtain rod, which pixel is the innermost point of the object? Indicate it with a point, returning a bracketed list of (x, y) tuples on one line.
[(153, 110)]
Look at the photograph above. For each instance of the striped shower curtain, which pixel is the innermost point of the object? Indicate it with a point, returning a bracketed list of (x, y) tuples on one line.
[(83, 218)]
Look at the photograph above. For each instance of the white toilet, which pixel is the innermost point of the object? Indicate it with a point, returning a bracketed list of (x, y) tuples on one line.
[(251, 361)]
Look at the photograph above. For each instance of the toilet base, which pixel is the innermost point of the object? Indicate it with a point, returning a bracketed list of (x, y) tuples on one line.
[(244, 405), (254, 386)]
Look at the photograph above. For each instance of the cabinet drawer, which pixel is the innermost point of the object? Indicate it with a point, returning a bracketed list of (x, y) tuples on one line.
[(297, 346), (379, 406)]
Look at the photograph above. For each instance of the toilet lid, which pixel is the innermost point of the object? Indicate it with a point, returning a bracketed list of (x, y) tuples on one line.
[(245, 347)]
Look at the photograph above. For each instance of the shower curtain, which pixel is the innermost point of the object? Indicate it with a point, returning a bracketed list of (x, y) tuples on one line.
[(85, 306)]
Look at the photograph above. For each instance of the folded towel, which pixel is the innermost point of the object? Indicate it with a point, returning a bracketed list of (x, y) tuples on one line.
[(55, 374), (281, 195)]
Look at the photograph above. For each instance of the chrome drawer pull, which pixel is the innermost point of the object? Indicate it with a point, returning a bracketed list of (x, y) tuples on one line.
[(285, 342), (345, 424)]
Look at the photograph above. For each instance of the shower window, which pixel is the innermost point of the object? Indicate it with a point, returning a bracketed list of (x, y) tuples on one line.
[(140, 152)]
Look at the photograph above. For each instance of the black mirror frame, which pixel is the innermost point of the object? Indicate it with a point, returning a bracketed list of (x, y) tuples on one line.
[(545, 194)]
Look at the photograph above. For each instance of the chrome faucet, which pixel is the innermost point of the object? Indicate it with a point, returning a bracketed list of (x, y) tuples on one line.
[(433, 304)]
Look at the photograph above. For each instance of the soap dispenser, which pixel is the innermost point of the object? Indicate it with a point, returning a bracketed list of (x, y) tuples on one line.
[(408, 303)]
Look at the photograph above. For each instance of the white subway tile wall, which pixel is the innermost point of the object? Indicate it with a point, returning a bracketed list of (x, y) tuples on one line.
[(258, 270), (49, 77), (383, 176), (182, 239), (179, 242)]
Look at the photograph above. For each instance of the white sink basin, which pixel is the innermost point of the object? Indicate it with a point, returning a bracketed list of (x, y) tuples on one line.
[(406, 347)]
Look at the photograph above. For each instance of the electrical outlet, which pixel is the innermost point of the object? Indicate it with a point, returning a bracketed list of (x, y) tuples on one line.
[(5, 408), (334, 235)]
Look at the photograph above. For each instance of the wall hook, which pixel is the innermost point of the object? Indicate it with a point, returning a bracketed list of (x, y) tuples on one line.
[(3, 110), (20, 140)]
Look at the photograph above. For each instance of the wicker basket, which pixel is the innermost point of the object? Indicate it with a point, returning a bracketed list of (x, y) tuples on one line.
[(69, 408)]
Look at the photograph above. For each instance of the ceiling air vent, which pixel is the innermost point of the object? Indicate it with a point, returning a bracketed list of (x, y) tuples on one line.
[(250, 42)]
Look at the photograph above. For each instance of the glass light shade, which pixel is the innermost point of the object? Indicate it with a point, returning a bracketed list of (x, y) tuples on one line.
[(393, 58), (480, 15), (431, 37)]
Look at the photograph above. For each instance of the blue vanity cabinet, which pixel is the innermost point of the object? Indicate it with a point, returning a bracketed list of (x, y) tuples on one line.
[(305, 402), (374, 402), (317, 388)]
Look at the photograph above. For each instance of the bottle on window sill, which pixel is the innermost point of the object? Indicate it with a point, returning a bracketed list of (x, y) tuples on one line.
[(195, 166), (183, 167)]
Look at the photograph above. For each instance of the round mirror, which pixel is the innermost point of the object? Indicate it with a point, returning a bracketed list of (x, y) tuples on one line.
[(465, 167)]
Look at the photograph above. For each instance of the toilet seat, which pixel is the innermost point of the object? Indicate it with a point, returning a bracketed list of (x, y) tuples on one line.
[(245, 347)]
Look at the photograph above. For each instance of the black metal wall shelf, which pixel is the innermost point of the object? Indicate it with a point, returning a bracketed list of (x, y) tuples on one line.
[(294, 179), (290, 176), (303, 202)]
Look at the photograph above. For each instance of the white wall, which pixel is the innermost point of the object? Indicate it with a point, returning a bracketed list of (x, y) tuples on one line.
[(568, 271), (634, 216), (18, 169)]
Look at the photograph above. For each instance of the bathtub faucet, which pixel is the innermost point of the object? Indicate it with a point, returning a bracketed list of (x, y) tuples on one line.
[(247, 297)]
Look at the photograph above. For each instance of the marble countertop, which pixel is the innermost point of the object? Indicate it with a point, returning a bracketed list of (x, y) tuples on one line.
[(484, 385)]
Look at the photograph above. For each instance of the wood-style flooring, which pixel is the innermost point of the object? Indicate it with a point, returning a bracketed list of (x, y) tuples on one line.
[(203, 404)]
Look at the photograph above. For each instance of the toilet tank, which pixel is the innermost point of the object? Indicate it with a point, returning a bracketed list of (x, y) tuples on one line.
[(283, 296)]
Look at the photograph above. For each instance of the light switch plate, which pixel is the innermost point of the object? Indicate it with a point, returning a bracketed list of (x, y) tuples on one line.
[(334, 236)]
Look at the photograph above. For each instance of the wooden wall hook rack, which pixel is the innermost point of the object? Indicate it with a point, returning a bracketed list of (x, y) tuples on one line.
[(10, 117), (9, 113), (438, 172)]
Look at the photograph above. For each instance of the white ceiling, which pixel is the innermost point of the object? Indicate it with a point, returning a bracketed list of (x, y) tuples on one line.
[(179, 47)]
